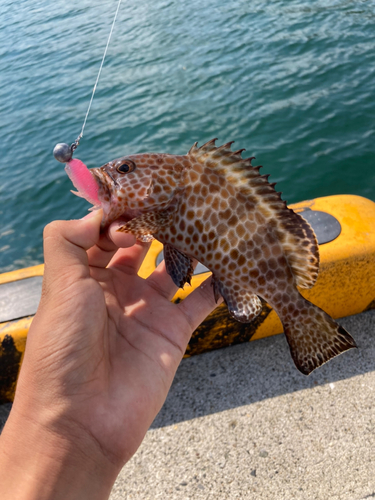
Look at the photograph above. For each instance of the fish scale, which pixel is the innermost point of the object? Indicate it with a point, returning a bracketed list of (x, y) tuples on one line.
[(213, 205)]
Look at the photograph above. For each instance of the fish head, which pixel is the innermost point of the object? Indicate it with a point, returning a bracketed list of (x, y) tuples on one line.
[(132, 185)]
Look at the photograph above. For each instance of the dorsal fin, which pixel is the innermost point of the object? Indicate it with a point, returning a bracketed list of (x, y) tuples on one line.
[(294, 233)]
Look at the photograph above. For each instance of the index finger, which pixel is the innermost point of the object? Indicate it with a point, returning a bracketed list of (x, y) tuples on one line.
[(109, 242)]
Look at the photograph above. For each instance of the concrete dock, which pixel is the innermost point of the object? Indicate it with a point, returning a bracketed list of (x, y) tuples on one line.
[(242, 422)]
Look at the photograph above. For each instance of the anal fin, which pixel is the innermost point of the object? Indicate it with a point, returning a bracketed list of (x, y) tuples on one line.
[(242, 304), (179, 265)]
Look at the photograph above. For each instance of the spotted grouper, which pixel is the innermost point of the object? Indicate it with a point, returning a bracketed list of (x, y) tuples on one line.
[(213, 206)]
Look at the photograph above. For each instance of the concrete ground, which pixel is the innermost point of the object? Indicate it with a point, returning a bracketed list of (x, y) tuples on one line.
[(242, 422)]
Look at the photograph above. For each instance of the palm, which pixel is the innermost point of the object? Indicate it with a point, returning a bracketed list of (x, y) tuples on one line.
[(115, 339), (135, 354)]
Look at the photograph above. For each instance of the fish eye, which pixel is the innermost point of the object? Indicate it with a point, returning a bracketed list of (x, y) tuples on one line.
[(126, 167)]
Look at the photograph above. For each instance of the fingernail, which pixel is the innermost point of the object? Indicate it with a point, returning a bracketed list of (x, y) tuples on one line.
[(117, 226)]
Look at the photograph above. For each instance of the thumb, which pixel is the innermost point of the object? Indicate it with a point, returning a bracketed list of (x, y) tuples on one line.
[(66, 244)]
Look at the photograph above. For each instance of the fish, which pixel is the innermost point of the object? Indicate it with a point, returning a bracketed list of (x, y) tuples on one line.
[(214, 206)]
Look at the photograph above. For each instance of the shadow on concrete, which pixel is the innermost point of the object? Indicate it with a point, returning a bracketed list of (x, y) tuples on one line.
[(251, 372), (243, 374)]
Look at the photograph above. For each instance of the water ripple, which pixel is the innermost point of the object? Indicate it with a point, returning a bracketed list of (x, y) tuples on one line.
[(291, 81)]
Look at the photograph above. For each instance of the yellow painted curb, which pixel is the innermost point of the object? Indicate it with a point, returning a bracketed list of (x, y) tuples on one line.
[(13, 336), (20, 274), (345, 286)]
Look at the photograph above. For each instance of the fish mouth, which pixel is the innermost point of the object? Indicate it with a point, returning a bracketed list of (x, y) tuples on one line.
[(115, 183), (107, 186), (101, 178)]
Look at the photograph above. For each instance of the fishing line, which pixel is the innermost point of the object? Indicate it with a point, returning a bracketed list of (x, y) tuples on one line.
[(63, 152)]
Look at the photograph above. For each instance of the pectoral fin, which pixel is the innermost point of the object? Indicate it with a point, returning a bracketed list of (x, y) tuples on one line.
[(147, 224), (179, 265), (243, 305)]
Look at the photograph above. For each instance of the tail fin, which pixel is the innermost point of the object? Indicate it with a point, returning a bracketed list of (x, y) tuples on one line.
[(314, 338)]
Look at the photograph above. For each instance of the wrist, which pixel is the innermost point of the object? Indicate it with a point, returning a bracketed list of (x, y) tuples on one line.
[(38, 462)]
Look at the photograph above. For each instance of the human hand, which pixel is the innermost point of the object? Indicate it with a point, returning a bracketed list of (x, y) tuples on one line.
[(101, 355)]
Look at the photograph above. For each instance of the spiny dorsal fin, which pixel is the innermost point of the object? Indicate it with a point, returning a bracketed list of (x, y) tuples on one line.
[(294, 233)]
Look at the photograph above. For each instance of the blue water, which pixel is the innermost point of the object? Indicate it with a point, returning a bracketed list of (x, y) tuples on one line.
[(290, 81)]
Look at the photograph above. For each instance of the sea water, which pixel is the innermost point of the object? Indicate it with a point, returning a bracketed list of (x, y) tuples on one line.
[(291, 81)]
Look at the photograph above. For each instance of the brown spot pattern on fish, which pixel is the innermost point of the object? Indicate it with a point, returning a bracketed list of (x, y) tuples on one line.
[(214, 206)]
